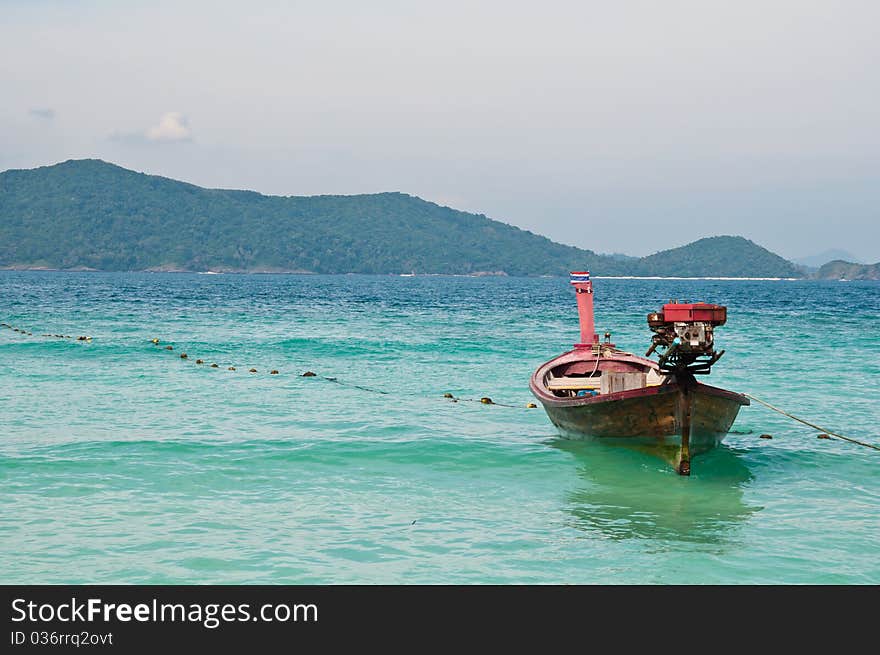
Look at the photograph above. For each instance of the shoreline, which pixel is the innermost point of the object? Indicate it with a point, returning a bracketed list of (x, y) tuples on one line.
[(477, 274)]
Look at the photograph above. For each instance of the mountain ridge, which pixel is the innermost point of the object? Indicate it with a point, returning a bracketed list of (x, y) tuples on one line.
[(817, 260), (94, 215)]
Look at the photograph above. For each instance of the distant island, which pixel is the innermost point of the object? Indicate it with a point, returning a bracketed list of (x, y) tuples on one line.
[(92, 215), (841, 270)]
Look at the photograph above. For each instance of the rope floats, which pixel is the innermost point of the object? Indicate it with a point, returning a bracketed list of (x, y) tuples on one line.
[(185, 356), (825, 434), (28, 333), (485, 400)]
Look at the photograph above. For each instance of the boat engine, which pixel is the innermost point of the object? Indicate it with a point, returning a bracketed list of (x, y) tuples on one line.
[(684, 333)]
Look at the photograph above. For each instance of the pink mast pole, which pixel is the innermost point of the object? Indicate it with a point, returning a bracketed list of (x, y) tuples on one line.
[(583, 287)]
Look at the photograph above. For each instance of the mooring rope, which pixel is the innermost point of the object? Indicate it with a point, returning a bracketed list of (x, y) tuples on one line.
[(812, 425), (352, 385), (485, 400)]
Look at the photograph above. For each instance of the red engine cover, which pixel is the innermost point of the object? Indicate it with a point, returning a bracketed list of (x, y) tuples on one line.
[(696, 311)]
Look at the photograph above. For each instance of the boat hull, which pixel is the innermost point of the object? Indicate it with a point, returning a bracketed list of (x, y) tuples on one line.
[(657, 417), (650, 415)]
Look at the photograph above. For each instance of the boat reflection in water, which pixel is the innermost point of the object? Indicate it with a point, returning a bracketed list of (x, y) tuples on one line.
[(626, 495)]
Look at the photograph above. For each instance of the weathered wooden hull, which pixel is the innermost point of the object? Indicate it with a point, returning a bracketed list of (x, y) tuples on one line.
[(656, 417), (651, 415)]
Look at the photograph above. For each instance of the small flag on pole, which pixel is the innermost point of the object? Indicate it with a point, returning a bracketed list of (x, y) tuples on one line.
[(580, 276)]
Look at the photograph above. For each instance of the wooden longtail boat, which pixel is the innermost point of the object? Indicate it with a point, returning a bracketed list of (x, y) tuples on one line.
[(596, 391)]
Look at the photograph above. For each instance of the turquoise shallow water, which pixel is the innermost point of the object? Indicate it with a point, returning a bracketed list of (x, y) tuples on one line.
[(120, 462)]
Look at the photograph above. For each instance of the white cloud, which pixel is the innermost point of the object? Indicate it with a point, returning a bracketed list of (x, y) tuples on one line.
[(173, 126)]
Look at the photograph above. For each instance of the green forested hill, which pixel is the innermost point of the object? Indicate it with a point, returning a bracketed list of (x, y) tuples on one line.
[(91, 214), (724, 256), (97, 215)]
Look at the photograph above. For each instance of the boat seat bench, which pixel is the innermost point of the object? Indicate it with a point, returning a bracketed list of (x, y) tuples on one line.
[(579, 383), (573, 383)]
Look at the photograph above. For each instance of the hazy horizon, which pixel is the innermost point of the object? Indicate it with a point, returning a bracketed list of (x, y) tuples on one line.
[(629, 128)]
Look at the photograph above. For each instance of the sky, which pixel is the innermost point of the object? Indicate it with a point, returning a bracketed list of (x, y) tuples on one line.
[(615, 126)]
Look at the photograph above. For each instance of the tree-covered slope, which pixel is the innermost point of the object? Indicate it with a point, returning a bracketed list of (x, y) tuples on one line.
[(91, 214), (723, 256), (96, 215)]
